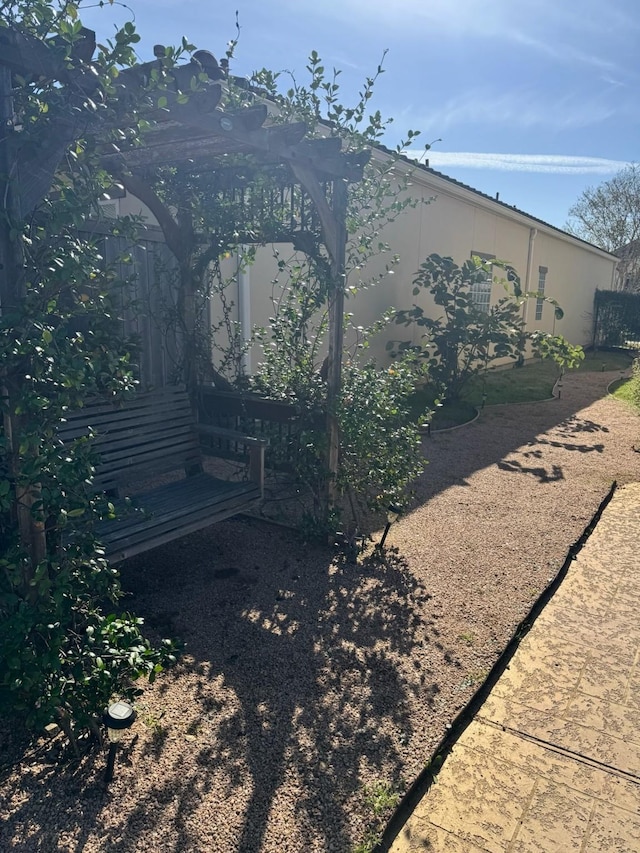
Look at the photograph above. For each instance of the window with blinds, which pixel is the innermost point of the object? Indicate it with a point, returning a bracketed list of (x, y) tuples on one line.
[(481, 290), (542, 281)]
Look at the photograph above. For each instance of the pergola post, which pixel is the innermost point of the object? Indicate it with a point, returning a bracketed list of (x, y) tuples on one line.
[(334, 233), (336, 337), (31, 527)]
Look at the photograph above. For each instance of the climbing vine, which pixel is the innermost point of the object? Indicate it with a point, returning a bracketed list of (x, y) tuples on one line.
[(64, 654)]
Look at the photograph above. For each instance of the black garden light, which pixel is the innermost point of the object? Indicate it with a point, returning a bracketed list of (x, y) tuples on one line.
[(393, 514), (117, 718)]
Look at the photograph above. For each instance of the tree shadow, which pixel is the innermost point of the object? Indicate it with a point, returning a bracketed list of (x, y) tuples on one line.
[(540, 473), (574, 424), (502, 432), (59, 797), (297, 683)]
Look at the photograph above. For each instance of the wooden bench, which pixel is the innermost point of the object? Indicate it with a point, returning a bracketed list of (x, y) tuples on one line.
[(153, 435)]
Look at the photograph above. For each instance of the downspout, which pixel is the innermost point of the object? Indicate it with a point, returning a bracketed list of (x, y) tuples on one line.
[(244, 308), (614, 277), (533, 233)]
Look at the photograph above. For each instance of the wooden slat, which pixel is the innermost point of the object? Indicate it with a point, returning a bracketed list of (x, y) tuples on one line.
[(232, 435), (215, 402), (174, 502), (152, 434)]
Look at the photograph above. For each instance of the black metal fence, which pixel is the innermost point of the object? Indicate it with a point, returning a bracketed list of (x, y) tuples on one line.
[(616, 319)]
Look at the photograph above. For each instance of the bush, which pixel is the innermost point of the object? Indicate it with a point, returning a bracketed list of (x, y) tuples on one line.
[(634, 383), (466, 339), (380, 445)]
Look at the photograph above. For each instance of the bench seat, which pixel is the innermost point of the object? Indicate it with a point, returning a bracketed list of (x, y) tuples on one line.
[(170, 511), (146, 438)]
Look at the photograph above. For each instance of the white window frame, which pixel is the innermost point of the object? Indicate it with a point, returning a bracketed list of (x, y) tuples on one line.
[(542, 282), (481, 291)]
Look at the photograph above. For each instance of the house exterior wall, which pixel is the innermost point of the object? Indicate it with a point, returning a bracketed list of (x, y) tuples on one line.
[(458, 222), (453, 220)]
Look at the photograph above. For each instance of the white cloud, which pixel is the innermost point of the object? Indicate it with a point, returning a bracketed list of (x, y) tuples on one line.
[(551, 163)]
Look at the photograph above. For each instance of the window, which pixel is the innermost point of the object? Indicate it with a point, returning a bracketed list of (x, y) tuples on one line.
[(542, 280), (481, 290)]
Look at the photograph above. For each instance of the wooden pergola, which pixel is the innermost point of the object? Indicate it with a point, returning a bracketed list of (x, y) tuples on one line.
[(197, 130)]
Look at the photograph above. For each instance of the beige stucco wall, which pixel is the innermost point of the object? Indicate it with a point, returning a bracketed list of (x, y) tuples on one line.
[(455, 221)]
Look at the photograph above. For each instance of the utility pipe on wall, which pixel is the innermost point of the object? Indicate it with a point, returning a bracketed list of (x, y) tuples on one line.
[(244, 306), (533, 233)]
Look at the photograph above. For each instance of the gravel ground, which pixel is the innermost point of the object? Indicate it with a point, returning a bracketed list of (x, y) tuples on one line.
[(307, 680)]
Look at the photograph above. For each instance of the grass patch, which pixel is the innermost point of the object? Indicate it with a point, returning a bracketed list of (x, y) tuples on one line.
[(380, 799), (445, 415), (525, 384), (602, 360), (528, 384), (628, 390), (453, 414), (512, 385)]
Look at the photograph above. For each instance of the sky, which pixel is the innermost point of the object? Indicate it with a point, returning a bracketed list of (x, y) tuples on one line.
[(533, 99)]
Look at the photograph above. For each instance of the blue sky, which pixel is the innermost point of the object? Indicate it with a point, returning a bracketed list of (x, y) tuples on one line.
[(534, 99)]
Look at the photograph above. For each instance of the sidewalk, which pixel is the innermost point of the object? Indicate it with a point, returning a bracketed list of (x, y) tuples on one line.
[(551, 763)]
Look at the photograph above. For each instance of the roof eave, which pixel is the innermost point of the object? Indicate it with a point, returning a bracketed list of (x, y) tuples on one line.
[(469, 194)]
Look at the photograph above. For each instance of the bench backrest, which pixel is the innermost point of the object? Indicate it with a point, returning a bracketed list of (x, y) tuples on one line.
[(153, 433)]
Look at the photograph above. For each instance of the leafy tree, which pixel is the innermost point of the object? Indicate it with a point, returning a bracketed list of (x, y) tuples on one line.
[(609, 216), (565, 355), (465, 339)]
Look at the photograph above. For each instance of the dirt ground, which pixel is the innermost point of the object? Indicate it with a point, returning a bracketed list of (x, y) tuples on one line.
[(308, 681)]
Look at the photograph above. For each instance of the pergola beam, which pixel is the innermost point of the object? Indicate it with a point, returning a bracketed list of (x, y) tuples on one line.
[(189, 132)]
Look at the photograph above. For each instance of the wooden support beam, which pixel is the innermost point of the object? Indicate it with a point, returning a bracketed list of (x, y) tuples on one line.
[(31, 58), (139, 188), (28, 56), (336, 338), (12, 291), (186, 132), (330, 227), (286, 134), (328, 146), (201, 102), (35, 167), (333, 221)]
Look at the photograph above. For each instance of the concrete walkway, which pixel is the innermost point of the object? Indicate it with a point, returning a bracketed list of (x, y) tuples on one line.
[(551, 763)]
